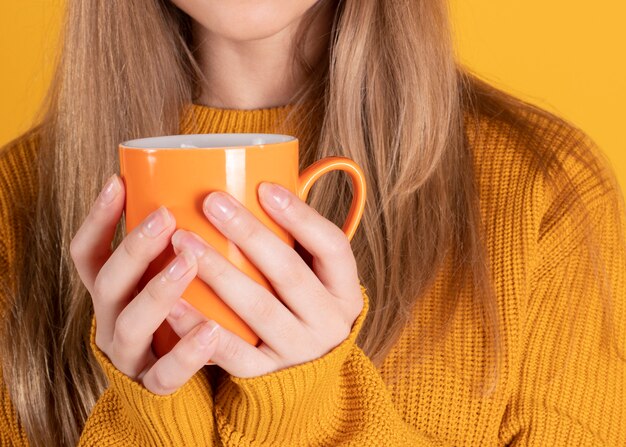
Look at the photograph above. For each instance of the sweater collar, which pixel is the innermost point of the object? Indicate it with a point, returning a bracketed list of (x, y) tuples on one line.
[(198, 118)]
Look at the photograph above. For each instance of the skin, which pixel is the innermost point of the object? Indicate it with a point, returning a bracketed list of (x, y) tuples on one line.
[(316, 305), (244, 49)]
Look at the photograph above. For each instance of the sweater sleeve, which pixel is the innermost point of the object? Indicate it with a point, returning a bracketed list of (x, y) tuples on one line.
[(571, 382), (339, 399), (129, 414), (336, 400)]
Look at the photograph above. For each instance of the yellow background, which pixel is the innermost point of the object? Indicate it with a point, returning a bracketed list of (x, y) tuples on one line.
[(567, 56)]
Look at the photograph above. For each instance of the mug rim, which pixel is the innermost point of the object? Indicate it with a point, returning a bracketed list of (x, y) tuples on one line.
[(208, 141)]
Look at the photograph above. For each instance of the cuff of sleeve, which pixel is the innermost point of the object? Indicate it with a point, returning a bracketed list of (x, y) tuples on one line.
[(285, 404), (185, 415)]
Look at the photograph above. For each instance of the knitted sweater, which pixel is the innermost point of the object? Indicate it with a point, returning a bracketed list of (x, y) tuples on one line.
[(552, 392)]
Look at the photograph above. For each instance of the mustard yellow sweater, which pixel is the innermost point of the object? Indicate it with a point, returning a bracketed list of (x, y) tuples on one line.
[(550, 393)]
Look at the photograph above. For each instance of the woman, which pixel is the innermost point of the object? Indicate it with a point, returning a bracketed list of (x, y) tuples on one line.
[(480, 303)]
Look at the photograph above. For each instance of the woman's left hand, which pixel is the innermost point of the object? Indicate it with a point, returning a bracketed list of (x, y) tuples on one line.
[(317, 306)]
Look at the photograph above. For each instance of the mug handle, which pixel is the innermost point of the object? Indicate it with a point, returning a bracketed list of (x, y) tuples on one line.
[(313, 172)]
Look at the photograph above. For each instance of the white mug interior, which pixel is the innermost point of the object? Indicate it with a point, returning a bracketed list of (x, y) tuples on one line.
[(207, 141)]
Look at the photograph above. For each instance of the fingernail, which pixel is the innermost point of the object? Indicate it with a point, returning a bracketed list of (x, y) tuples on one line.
[(179, 266), (219, 206), (110, 190), (157, 222), (207, 333), (191, 242), (179, 309), (176, 237), (274, 195)]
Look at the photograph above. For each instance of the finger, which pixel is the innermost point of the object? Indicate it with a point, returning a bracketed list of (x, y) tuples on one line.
[(285, 269), (139, 320), (239, 358), (91, 245), (334, 263), (176, 367), (183, 317), (261, 310), (121, 273)]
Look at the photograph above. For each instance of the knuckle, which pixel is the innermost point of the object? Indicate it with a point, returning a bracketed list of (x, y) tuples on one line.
[(287, 272), (132, 247), (186, 361), (356, 304), (340, 331), (338, 245), (99, 287), (263, 308), (344, 331), (347, 315), (339, 336), (231, 350), (289, 331), (163, 382), (154, 291), (125, 333), (214, 266), (357, 307), (123, 361), (245, 228)]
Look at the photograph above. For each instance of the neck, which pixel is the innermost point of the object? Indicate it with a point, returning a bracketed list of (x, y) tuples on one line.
[(258, 73)]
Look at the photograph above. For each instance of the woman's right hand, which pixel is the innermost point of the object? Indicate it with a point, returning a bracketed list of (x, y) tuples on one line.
[(126, 322)]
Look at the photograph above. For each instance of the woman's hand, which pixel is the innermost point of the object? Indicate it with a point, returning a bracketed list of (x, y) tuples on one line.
[(316, 308), (126, 323)]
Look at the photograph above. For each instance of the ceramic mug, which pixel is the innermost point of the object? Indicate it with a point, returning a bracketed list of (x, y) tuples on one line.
[(179, 171)]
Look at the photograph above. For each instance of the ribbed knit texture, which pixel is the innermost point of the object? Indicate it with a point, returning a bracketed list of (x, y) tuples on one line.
[(551, 393)]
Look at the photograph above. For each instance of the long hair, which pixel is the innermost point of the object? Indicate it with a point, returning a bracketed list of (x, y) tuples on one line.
[(389, 95)]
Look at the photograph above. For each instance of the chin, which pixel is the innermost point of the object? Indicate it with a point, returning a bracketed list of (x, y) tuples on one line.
[(245, 20)]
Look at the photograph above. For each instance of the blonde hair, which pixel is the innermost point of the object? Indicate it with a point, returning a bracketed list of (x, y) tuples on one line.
[(389, 95)]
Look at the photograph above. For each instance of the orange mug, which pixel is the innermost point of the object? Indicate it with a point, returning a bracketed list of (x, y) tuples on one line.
[(179, 171)]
